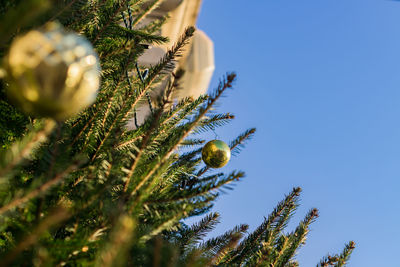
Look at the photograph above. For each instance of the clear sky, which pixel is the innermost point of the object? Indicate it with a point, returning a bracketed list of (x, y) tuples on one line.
[(320, 80)]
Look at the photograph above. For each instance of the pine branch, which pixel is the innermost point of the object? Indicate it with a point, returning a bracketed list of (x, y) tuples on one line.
[(345, 255), (184, 158), (98, 107), (59, 215), (225, 249), (297, 238), (225, 84), (114, 253), (22, 149), (140, 92), (110, 19), (115, 90), (139, 34), (40, 190), (273, 247), (78, 11), (191, 142), (155, 25), (237, 144), (168, 224), (169, 124), (235, 147), (143, 145), (186, 104), (212, 123), (218, 247), (166, 63), (195, 233), (271, 257), (66, 7), (146, 11), (201, 190), (292, 263), (251, 242), (338, 260)]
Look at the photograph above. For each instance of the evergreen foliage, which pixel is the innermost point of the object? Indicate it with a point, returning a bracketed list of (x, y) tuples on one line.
[(90, 192)]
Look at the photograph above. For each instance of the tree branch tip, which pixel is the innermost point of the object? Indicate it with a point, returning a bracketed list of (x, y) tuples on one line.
[(314, 213), (190, 30), (297, 190)]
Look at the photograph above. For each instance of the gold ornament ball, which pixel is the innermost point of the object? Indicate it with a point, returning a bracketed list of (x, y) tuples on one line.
[(52, 73), (216, 154)]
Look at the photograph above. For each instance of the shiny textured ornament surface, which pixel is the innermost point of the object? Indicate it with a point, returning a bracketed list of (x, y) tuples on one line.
[(52, 73), (216, 154)]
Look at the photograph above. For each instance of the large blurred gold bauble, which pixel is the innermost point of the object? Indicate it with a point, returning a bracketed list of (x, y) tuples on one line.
[(52, 73), (216, 154)]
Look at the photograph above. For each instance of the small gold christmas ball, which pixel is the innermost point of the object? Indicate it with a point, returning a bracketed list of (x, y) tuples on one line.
[(52, 73), (216, 154)]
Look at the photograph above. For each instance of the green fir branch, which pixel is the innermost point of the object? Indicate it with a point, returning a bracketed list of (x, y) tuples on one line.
[(60, 214), (250, 243), (115, 251), (21, 150), (235, 147), (190, 237), (297, 238), (166, 64), (150, 7), (40, 190), (210, 124), (338, 260), (224, 84), (218, 247)]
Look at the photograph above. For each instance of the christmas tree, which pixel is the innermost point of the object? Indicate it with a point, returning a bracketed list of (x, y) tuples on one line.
[(79, 187)]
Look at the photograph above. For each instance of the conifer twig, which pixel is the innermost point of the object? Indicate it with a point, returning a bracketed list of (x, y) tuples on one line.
[(251, 241), (297, 237), (109, 21), (237, 142), (151, 78), (147, 11), (230, 178), (114, 252), (40, 190), (195, 233), (59, 215), (338, 260), (146, 137), (165, 102), (164, 121), (165, 225), (62, 10), (111, 98), (232, 242), (222, 87), (31, 142), (143, 144), (165, 62)]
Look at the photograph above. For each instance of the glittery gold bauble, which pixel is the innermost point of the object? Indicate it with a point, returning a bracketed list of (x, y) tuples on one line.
[(52, 73), (216, 154)]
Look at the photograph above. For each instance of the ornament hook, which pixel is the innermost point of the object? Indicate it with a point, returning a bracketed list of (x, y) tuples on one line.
[(215, 134), (142, 76)]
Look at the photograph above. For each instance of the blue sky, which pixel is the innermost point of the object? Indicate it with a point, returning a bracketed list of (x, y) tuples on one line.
[(320, 80)]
